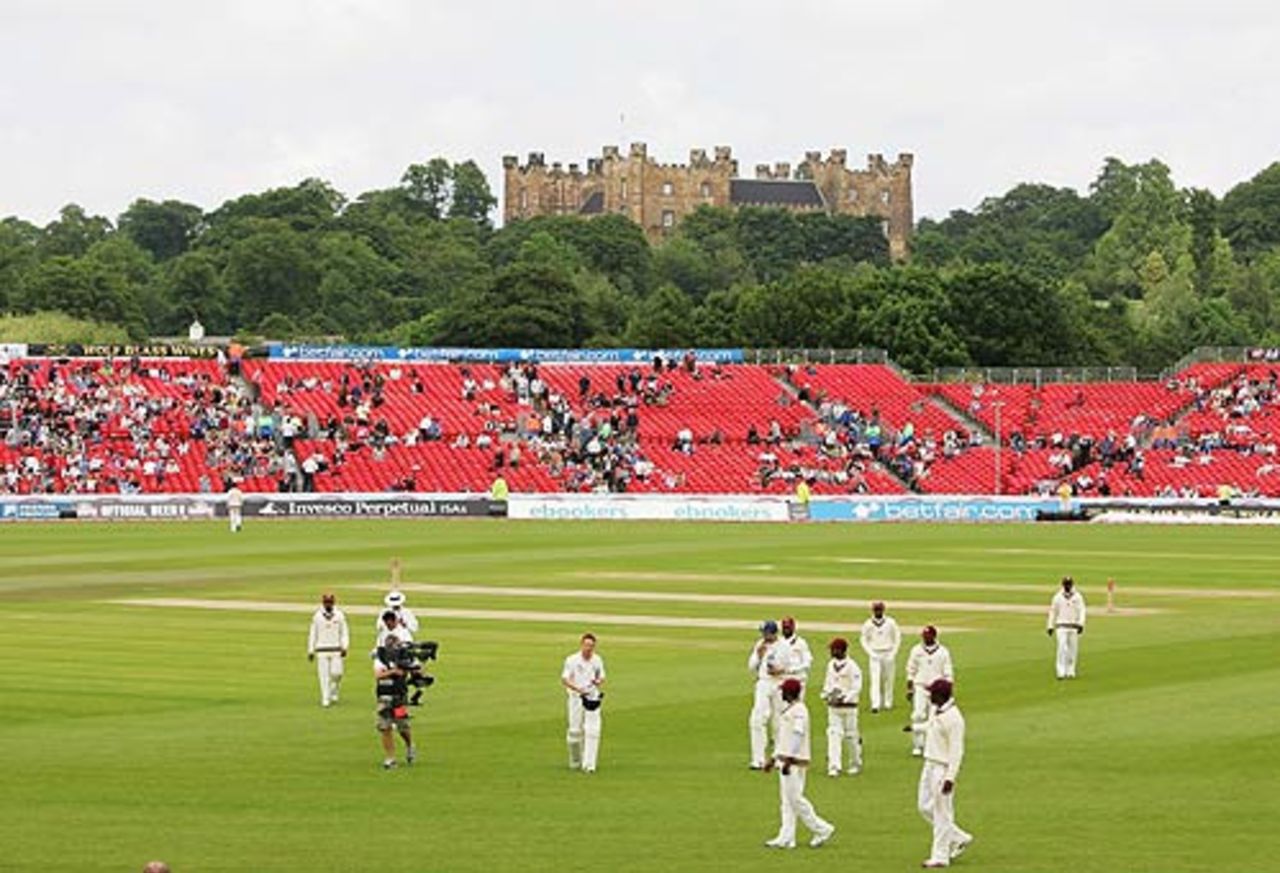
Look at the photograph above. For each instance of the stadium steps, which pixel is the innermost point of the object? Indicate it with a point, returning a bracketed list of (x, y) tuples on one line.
[(883, 470), (961, 416)]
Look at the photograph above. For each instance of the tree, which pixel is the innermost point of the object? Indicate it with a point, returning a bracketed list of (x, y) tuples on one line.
[(472, 200), (799, 312), (426, 187), (771, 241), (1149, 215), (607, 310), (715, 322), (271, 271), (166, 229), (851, 238), (194, 289), (440, 260), (1250, 213), (662, 320), (611, 244), (73, 232), (19, 242), (310, 205), (353, 294), (916, 336), (1006, 317), (533, 302), (1046, 231), (82, 289)]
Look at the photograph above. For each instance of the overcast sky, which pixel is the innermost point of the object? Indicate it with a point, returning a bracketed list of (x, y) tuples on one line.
[(102, 101)]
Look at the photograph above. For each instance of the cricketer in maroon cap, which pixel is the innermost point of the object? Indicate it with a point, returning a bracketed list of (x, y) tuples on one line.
[(929, 660), (944, 736)]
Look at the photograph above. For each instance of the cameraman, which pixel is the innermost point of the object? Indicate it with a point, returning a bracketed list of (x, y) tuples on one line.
[(392, 689)]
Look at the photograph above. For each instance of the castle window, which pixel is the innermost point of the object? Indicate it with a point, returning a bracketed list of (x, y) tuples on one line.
[(884, 196), (853, 195), (524, 199), (668, 219), (624, 189), (705, 189), (668, 189)]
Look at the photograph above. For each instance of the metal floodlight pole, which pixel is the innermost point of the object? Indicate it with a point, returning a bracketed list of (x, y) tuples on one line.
[(997, 406)]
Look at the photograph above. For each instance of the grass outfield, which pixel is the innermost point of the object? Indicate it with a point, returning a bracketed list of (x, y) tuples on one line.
[(129, 732)]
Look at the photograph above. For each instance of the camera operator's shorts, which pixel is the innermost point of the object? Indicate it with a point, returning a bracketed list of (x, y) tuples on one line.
[(393, 717)]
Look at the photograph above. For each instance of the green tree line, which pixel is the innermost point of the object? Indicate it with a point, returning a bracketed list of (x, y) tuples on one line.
[(1135, 271)]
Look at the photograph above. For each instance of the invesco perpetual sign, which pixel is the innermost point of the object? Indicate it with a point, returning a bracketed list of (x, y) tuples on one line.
[(345, 507)]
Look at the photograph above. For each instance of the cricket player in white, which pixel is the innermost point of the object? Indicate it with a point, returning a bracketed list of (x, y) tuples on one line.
[(794, 654), (1066, 622), (327, 645), (841, 690), (881, 640), (943, 752), (583, 679), (929, 660), (235, 508), (763, 663), (792, 760), (395, 601)]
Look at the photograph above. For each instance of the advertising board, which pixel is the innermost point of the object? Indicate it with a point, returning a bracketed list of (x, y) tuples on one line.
[(643, 507)]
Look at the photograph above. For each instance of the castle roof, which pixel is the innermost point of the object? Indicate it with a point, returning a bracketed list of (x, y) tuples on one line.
[(593, 205), (774, 192)]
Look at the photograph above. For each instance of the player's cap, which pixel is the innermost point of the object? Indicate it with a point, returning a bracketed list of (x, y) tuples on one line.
[(839, 644), (940, 686), (929, 630), (394, 599), (877, 604), (768, 626), (791, 686)]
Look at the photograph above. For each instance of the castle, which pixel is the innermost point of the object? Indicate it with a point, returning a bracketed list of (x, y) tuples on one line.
[(656, 196)]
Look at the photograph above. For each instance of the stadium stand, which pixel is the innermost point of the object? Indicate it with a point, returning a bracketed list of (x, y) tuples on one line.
[(176, 425)]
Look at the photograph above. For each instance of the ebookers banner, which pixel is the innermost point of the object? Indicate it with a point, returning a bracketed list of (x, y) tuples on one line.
[(622, 507)]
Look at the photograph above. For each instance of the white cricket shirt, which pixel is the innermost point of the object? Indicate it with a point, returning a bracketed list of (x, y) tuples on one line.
[(925, 665), (882, 637), (944, 738), (328, 632)]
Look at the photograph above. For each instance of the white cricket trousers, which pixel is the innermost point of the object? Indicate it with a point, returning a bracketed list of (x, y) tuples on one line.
[(882, 668), (1068, 651), (329, 670), (796, 805), (842, 733), (236, 520), (919, 715), (939, 810), (764, 718), (584, 735)]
